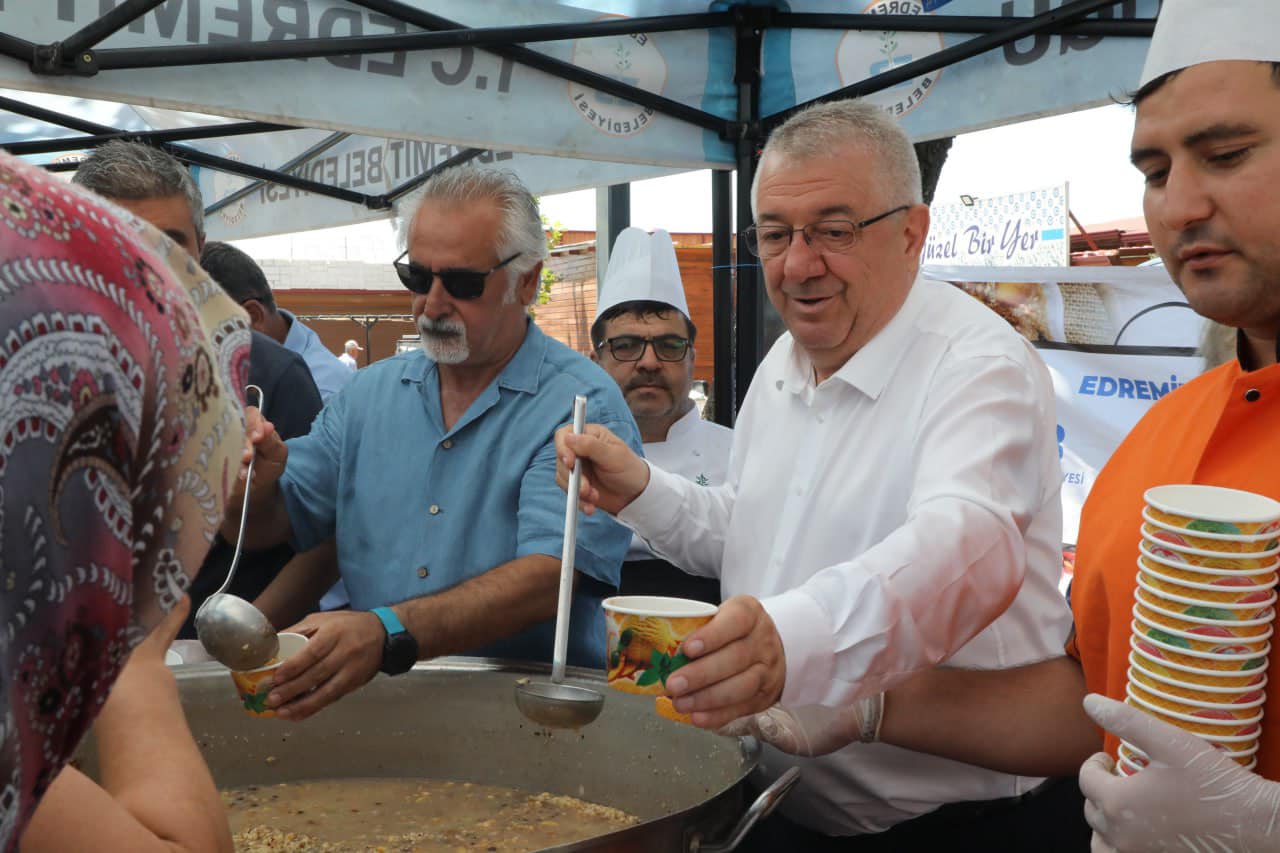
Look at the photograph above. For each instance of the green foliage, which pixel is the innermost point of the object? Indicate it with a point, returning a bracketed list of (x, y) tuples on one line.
[(661, 665), (555, 233)]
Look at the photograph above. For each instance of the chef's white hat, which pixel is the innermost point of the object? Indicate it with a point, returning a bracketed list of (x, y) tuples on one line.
[(1189, 32), (642, 266)]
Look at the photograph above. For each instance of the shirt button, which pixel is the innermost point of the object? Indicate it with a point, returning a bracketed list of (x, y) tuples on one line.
[(422, 571), (1252, 395), (434, 509), (447, 443), (821, 419)]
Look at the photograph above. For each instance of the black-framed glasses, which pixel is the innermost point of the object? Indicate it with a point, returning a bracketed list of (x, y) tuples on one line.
[(827, 235), (461, 284), (631, 347)]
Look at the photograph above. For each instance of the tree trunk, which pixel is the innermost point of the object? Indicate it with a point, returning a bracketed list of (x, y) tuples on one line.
[(932, 156)]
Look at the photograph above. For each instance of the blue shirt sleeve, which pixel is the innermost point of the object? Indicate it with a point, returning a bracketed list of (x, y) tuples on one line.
[(310, 480), (602, 542)]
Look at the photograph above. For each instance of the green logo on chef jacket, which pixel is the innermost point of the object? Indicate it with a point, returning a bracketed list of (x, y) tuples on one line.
[(702, 480)]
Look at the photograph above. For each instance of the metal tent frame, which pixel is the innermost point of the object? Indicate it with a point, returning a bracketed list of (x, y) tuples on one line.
[(738, 300)]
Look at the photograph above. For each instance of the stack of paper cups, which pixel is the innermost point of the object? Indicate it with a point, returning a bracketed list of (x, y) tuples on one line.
[(1202, 616)]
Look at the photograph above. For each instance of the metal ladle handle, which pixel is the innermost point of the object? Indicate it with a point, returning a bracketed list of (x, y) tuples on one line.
[(564, 605), (244, 507)]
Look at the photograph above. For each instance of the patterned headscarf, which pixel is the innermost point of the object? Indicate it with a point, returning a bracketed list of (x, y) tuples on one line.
[(121, 373)]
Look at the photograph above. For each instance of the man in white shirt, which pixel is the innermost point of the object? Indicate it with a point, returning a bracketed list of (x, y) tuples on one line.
[(348, 357), (891, 505), (643, 337)]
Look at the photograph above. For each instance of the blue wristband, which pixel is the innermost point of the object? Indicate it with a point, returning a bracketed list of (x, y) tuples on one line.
[(390, 622)]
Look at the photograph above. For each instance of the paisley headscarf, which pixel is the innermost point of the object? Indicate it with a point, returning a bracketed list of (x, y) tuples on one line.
[(121, 424)]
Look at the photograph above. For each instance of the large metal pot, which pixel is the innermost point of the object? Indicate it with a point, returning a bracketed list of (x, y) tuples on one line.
[(456, 719)]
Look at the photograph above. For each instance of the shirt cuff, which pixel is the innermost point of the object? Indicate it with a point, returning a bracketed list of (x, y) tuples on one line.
[(807, 645), (657, 507)]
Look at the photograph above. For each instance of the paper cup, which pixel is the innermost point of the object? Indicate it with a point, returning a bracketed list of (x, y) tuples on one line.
[(172, 658), (1134, 756), (1223, 542), (1152, 661), (1188, 621), (1214, 639), (253, 685), (643, 634), (1209, 562), (1213, 509), (1204, 722), (1249, 701), (1224, 590), (1227, 690), (1198, 662), (1126, 767), (1248, 608)]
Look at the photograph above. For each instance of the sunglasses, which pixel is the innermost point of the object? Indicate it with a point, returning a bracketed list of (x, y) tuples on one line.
[(460, 284)]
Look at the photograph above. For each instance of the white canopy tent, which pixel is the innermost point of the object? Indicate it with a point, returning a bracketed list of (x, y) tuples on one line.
[(342, 106)]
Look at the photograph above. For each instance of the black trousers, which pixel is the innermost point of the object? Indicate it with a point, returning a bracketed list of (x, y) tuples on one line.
[(1049, 819)]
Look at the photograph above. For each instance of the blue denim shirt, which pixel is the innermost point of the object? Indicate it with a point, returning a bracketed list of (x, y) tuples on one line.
[(418, 509)]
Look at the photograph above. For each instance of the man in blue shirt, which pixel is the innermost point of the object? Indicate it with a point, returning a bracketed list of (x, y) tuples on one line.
[(241, 276), (435, 469)]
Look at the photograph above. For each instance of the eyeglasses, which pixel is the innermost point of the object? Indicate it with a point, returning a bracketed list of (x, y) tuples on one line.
[(828, 235), (631, 347), (461, 284)]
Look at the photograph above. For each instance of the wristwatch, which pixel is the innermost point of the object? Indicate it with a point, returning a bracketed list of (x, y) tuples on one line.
[(399, 649)]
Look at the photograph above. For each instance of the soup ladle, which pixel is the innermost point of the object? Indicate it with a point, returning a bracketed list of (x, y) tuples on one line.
[(237, 634), (555, 704)]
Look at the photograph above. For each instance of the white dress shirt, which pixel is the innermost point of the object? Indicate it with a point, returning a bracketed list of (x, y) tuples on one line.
[(695, 449), (901, 514)]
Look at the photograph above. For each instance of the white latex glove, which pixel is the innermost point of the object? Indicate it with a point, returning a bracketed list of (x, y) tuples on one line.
[(1199, 801), (813, 729)]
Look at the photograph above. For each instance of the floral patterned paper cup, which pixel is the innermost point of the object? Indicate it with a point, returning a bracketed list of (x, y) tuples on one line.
[(1176, 683), (254, 685), (1213, 509), (1217, 639), (1209, 562), (643, 638), (1224, 542), (1204, 721), (1153, 660), (1191, 623), (1209, 663), (1248, 701), (1224, 589), (1247, 608)]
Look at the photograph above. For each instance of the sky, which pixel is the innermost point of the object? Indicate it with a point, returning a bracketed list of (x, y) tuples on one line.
[(1088, 150)]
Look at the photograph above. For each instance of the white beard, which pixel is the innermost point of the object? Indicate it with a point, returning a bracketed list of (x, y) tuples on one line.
[(445, 341)]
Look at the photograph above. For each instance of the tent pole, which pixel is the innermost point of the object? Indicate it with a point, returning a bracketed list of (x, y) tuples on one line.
[(722, 395), (1130, 27), (751, 24), (106, 25), (208, 131), (315, 150), (619, 211)]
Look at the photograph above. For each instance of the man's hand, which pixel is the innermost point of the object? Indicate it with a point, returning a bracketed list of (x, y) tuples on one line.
[(612, 474), (343, 652), (738, 666), (812, 730), (1192, 797)]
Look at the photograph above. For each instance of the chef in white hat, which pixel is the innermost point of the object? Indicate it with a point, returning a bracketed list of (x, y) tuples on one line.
[(643, 337), (1207, 139)]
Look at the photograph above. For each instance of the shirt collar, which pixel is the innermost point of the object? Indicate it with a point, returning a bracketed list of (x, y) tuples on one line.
[(868, 369), (685, 424), (519, 374), (1242, 352), (296, 338)]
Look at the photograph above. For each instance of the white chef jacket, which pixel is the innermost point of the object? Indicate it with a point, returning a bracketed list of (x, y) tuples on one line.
[(695, 449), (900, 514)]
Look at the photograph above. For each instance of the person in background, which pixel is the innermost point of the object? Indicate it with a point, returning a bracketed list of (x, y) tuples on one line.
[(122, 421), (434, 469), (348, 357), (892, 504), (642, 336), (154, 186), (241, 276)]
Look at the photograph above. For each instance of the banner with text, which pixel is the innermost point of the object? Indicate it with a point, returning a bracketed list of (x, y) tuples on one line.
[(1020, 229)]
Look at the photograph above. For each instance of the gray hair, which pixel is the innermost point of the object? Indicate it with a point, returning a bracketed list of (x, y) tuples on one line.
[(521, 229), (132, 171), (823, 129)]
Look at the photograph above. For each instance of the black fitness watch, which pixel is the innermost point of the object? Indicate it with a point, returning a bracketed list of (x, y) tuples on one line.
[(399, 649)]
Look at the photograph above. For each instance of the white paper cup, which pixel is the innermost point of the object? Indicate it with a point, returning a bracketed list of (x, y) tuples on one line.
[(1250, 513)]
